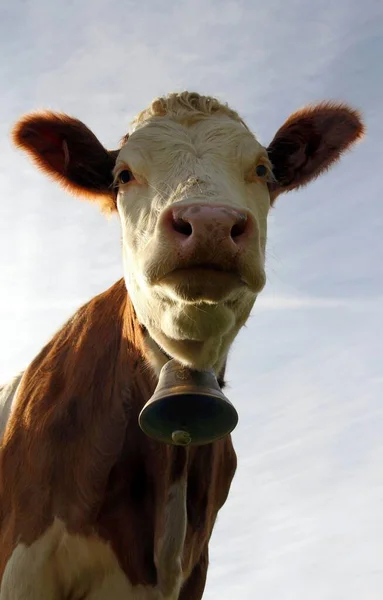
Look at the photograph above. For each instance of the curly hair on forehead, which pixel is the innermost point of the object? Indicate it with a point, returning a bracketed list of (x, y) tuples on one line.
[(185, 106)]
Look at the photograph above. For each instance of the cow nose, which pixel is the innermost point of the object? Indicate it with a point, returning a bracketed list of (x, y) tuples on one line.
[(203, 222)]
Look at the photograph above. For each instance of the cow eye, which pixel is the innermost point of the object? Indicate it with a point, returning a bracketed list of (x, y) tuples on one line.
[(261, 170), (125, 176)]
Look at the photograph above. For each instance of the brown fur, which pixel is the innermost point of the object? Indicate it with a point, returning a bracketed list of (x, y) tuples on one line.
[(73, 449), (66, 150), (310, 142)]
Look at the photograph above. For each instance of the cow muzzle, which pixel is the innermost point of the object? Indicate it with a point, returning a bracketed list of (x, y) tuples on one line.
[(203, 251)]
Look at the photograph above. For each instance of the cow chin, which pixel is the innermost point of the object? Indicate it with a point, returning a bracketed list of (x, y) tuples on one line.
[(196, 322), (197, 334)]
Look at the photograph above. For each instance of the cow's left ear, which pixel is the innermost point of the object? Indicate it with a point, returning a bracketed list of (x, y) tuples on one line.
[(309, 142), (66, 150)]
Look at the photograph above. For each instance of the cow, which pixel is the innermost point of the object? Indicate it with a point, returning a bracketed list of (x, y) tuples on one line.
[(90, 507)]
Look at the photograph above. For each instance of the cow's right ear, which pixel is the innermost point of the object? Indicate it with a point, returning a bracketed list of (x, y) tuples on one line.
[(65, 149)]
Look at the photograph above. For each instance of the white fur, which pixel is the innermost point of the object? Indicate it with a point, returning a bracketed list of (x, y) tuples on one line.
[(8, 401), (209, 160), (59, 566)]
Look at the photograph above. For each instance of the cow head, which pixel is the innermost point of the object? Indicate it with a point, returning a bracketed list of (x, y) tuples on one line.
[(193, 188)]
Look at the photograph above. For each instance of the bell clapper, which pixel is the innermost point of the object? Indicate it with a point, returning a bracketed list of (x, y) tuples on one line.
[(181, 437)]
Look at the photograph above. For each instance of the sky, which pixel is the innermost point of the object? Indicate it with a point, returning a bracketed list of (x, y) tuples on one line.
[(304, 517)]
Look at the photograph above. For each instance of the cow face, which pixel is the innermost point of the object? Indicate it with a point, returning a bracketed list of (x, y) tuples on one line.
[(193, 200), (193, 188)]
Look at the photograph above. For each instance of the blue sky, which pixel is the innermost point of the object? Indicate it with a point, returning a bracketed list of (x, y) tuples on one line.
[(304, 516)]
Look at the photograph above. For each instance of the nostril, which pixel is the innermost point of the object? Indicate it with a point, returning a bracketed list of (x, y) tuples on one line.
[(182, 226), (201, 221), (239, 227)]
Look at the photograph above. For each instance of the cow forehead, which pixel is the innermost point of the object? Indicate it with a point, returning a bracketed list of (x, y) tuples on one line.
[(166, 139)]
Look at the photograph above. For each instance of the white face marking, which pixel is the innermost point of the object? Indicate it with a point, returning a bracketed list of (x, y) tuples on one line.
[(193, 316)]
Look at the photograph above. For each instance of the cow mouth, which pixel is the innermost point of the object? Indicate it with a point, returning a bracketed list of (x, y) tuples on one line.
[(202, 281), (202, 269)]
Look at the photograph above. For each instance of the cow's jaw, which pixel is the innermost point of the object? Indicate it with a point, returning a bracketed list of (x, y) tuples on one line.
[(199, 334)]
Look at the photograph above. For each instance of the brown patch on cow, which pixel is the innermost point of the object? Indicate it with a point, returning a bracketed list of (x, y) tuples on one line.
[(66, 150), (195, 585), (73, 449), (68, 427), (310, 142)]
